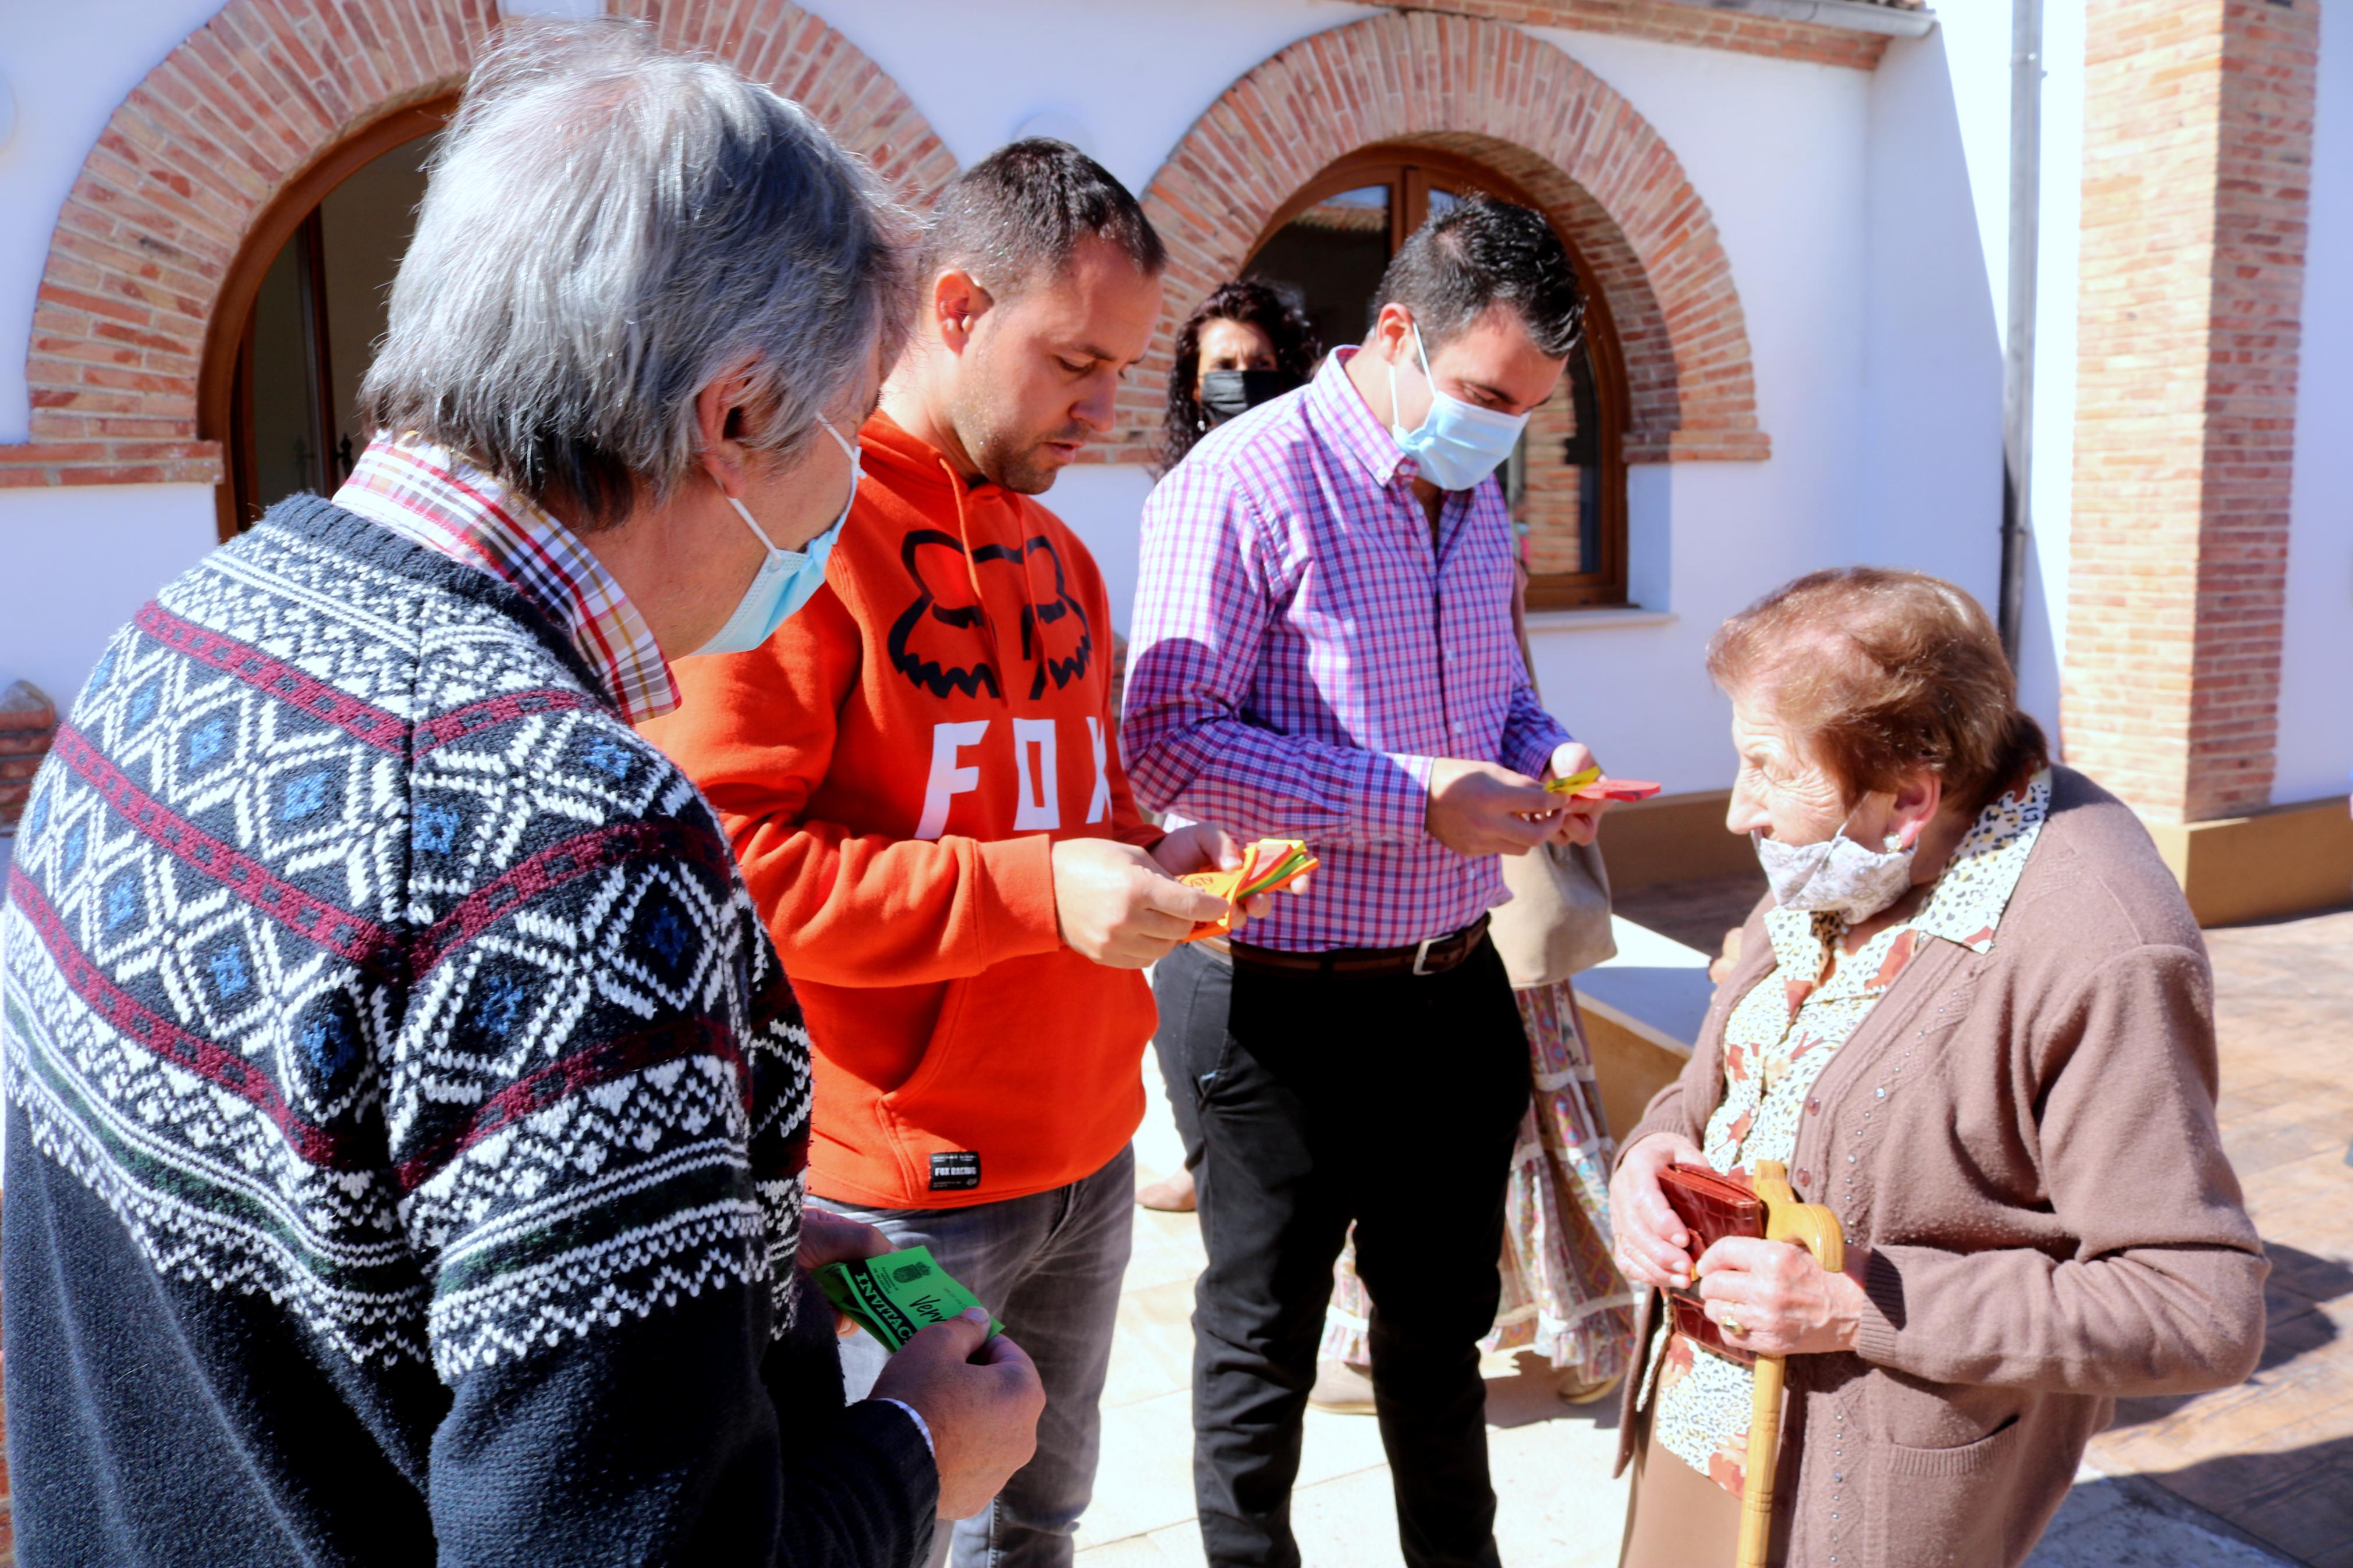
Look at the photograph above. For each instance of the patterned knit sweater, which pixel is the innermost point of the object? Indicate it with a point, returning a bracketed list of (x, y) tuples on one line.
[(405, 1110)]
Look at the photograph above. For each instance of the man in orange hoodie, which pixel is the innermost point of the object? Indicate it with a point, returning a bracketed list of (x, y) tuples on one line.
[(921, 778)]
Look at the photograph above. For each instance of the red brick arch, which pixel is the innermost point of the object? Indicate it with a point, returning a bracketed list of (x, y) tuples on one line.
[(1492, 92), (184, 180)]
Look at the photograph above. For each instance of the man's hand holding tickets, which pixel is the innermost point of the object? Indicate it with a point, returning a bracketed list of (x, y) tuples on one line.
[(1268, 866), (1585, 791)]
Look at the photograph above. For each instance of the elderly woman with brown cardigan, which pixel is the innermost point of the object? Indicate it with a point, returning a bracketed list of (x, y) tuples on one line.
[(1974, 1020)]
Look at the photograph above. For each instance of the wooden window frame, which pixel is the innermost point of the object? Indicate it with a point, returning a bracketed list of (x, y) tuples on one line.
[(224, 383), (1410, 171)]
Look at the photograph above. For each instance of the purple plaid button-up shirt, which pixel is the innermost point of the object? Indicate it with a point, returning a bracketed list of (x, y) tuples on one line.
[(1302, 655)]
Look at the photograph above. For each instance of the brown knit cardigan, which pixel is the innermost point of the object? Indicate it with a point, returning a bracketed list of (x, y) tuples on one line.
[(2025, 1140)]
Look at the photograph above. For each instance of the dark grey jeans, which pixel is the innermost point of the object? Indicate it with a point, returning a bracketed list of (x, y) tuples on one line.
[(1049, 1266), (1393, 1102)]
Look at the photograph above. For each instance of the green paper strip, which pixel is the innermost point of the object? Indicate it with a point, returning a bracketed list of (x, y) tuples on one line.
[(1275, 877), (897, 1296)]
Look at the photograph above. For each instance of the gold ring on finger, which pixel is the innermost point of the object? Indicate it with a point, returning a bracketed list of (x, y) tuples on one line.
[(1732, 1326)]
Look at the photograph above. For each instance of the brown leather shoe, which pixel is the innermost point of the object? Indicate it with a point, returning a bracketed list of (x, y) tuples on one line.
[(1174, 1194), (1341, 1388)]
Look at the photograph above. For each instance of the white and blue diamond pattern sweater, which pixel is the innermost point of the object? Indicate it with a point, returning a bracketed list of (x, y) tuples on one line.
[(406, 1109)]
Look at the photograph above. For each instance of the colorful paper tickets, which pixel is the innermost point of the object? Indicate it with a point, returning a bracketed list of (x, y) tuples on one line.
[(1268, 865), (1587, 784), (898, 1295)]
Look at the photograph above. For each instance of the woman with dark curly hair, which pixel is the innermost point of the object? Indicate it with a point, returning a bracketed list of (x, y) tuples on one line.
[(1241, 346)]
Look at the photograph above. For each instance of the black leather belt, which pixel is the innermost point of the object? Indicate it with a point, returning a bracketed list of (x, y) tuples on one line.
[(1435, 956)]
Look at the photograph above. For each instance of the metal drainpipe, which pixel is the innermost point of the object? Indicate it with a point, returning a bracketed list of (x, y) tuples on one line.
[(2018, 339), (1854, 15)]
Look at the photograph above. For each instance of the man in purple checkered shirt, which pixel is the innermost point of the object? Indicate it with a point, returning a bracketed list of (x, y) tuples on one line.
[(1323, 650)]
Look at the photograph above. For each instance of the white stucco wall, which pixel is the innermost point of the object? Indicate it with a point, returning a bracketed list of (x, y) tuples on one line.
[(1778, 152), (1133, 75), (1882, 394), (1842, 199), (2059, 252), (1931, 481), (2315, 747), (69, 67), (2315, 743), (1976, 40), (74, 563)]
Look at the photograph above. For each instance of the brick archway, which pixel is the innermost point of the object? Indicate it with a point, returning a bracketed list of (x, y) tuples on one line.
[(187, 177), (1490, 92)]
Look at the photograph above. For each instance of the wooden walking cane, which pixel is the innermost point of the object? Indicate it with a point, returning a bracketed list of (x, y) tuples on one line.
[(1815, 1228)]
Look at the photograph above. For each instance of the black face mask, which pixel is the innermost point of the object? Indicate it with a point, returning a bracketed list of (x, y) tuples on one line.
[(1226, 392)]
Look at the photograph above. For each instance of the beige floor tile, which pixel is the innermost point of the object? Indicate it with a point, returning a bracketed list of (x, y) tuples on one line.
[(1179, 1546), (1135, 1552), (1154, 1354), (1350, 1520), (1556, 1505), (1144, 1481), (1167, 1250)]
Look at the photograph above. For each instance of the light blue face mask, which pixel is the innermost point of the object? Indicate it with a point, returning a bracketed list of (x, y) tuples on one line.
[(786, 579), (1457, 444)]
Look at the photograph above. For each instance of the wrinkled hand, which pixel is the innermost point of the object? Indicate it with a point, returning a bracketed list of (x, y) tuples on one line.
[(829, 1239), (1652, 1242), (1482, 809), (1581, 820), (1785, 1302), (981, 1399), (1115, 904)]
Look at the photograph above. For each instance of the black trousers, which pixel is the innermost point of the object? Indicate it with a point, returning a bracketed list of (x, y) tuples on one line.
[(1392, 1102)]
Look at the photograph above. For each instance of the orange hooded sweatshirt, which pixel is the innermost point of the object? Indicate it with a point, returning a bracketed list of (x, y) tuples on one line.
[(892, 768)]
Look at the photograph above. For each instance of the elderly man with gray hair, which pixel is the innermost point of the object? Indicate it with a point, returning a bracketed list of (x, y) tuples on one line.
[(406, 1109)]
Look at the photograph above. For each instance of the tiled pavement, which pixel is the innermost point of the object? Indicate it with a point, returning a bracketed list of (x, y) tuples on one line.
[(2232, 1480), (2274, 1456), (1561, 1509)]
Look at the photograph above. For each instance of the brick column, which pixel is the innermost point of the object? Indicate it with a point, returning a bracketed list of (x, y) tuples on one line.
[(29, 722), (2198, 142)]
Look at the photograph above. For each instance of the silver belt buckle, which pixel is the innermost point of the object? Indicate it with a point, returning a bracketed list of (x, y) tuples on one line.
[(1421, 953)]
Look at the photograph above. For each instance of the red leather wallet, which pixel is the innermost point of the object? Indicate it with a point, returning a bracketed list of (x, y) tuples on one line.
[(1711, 1204)]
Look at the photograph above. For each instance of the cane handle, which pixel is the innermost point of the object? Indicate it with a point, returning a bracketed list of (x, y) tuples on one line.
[(1815, 1228)]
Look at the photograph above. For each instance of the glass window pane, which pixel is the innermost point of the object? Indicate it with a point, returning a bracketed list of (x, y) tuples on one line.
[(1329, 261), (285, 431), (1559, 509), (366, 222)]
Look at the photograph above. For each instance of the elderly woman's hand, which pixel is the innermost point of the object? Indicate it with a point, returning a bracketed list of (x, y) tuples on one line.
[(1651, 1242), (1773, 1297)]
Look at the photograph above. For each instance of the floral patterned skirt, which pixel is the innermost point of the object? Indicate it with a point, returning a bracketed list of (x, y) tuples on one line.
[(1562, 1294)]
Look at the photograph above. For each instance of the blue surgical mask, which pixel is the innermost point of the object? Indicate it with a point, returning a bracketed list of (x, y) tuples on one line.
[(1457, 444), (787, 579)]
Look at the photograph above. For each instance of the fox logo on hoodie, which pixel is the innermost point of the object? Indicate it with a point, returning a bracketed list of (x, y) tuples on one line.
[(1055, 637)]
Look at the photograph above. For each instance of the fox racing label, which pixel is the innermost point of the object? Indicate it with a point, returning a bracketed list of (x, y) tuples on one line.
[(957, 1170)]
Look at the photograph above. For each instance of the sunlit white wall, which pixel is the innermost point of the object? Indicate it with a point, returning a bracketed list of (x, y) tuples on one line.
[(2315, 747)]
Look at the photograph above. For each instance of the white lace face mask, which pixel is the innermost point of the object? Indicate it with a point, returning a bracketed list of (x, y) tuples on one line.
[(1837, 876)]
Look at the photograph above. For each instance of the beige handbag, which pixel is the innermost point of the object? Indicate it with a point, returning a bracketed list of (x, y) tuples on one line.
[(1557, 922)]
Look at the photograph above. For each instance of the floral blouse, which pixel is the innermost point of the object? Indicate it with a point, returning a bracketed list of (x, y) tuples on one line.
[(1776, 1041)]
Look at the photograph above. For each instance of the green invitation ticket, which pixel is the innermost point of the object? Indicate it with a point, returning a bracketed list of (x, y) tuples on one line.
[(898, 1295)]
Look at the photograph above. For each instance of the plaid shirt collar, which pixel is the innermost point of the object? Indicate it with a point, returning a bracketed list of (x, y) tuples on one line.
[(443, 501), (1338, 412)]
